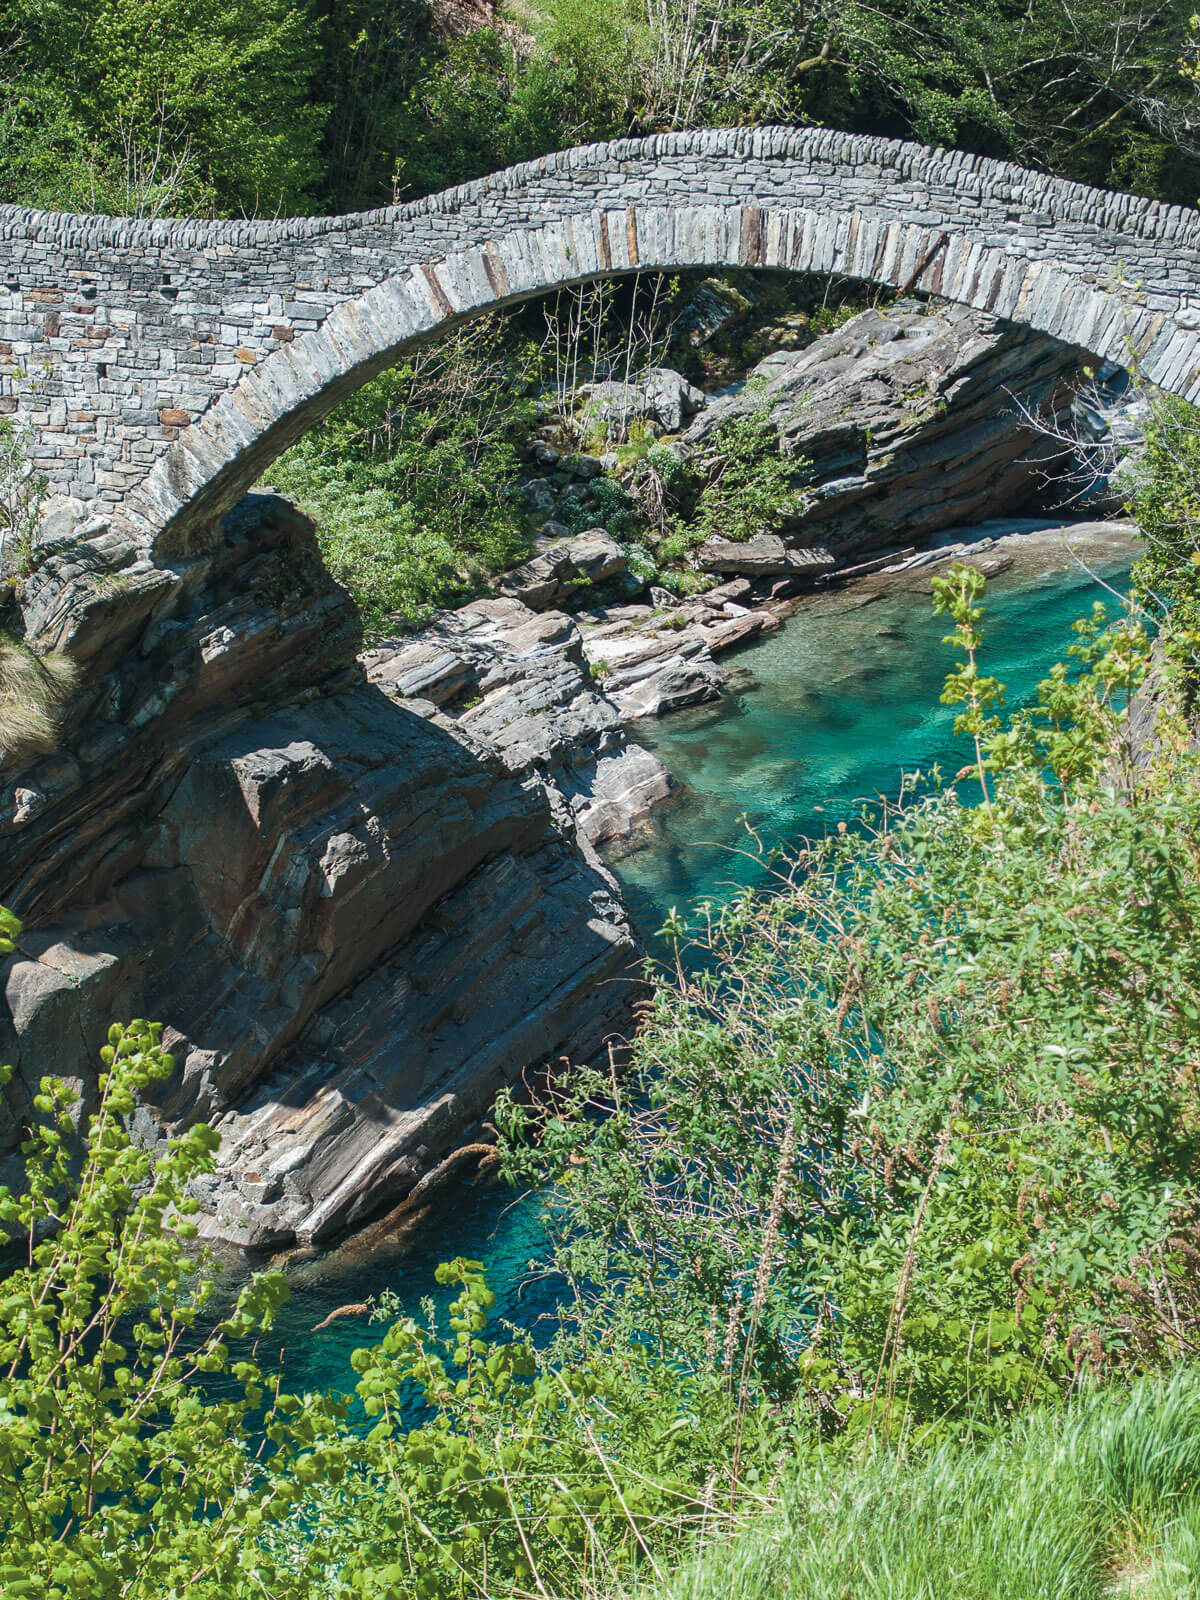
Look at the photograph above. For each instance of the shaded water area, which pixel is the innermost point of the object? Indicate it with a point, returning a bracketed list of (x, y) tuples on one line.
[(832, 709)]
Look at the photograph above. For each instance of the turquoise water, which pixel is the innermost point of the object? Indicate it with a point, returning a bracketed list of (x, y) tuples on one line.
[(833, 708)]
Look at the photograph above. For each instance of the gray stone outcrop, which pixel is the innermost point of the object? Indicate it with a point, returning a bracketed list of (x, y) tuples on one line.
[(657, 394), (558, 571), (357, 921), (516, 680), (913, 419)]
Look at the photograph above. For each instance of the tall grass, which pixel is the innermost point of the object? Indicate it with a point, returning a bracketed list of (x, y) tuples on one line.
[(1098, 1501), (32, 691)]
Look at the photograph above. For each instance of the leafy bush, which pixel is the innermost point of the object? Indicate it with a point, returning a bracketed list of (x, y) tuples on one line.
[(533, 1471), (411, 480), (120, 1475), (913, 1135), (1164, 498), (747, 486)]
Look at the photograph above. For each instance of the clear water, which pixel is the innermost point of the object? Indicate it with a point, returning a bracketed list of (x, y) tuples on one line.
[(831, 709)]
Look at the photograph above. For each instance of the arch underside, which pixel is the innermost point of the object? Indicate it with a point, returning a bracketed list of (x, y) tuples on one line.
[(219, 457)]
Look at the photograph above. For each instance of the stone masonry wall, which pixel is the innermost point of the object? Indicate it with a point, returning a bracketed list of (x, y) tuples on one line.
[(164, 364)]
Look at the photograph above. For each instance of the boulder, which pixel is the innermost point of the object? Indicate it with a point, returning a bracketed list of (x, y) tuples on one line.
[(652, 661), (914, 419), (659, 394), (539, 498), (557, 573), (714, 308)]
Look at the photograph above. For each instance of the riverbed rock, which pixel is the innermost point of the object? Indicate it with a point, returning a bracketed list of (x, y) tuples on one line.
[(539, 498), (355, 919), (766, 555), (515, 680), (913, 419), (657, 394), (557, 573), (713, 308), (652, 661)]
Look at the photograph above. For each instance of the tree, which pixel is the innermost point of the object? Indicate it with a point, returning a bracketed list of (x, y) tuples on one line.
[(161, 105), (120, 1474)]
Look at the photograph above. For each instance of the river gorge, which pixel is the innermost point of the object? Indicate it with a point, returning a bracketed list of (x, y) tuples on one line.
[(599, 800), (822, 716), (366, 888)]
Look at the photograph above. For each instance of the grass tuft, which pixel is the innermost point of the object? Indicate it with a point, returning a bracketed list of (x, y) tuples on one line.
[(1098, 1501), (32, 691)]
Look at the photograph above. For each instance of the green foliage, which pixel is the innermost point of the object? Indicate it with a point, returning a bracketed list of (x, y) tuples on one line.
[(374, 55), (738, 485), (1164, 499), (1097, 1500), (531, 1472), (149, 105), (747, 486), (1097, 91), (145, 106), (914, 1136), (119, 1474), (410, 480)]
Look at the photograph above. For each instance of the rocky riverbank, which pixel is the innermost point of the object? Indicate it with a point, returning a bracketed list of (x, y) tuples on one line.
[(907, 420), (356, 923)]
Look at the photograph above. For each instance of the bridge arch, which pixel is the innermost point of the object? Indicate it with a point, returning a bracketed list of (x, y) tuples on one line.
[(181, 358)]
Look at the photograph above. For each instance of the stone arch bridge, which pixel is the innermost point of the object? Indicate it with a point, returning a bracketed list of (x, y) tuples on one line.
[(168, 363)]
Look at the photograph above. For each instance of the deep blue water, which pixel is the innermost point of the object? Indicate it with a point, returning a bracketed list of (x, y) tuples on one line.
[(832, 709)]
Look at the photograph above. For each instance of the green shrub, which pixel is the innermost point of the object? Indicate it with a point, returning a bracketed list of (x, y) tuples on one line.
[(735, 486), (411, 480), (148, 105), (746, 485), (913, 1136), (1163, 489), (120, 1474)]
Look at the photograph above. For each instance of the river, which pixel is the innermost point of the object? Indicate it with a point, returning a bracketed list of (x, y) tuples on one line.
[(835, 706)]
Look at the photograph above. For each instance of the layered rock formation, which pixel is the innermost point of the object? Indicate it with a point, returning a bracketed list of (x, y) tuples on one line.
[(356, 921), (363, 899), (914, 419), (516, 680)]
